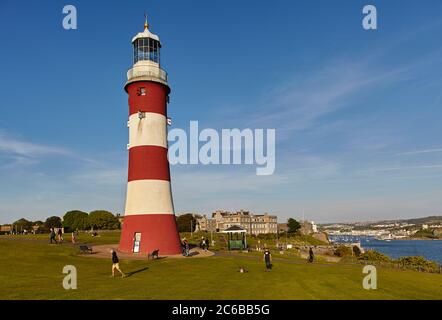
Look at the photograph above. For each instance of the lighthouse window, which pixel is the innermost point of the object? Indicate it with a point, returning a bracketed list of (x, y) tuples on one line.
[(146, 49), (142, 91)]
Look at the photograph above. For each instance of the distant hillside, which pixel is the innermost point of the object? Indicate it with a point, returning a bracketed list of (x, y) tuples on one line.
[(424, 220)]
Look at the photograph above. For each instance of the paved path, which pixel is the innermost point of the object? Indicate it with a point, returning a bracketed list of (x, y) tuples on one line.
[(103, 251)]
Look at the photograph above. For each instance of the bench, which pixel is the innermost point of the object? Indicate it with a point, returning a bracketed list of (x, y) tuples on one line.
[(153, 254), (85, 249)]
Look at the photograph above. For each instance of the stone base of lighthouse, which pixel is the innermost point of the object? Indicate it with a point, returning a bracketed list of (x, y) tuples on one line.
[(153, 232)]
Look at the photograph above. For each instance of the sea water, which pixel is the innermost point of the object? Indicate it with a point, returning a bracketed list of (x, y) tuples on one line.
[(429, 249)]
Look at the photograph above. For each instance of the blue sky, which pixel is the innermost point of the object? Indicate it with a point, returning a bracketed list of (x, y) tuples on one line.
[(357, 113)]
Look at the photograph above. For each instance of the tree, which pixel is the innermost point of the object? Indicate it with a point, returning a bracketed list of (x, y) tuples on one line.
[(41, 226), (293, 225), (22, 224), (53, 222), (75, 220), (186, 223), (102, 219)]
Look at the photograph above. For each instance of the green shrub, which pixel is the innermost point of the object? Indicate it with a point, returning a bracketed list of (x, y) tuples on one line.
[(372, 255), (343, 251), (419, 263)]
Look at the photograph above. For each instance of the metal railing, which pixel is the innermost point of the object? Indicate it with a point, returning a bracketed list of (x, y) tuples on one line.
[(139, 72)]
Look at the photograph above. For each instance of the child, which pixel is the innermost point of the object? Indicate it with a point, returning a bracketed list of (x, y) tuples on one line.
[(73, 238), (116, 264)]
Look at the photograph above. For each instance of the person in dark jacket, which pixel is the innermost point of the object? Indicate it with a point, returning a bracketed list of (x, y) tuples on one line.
[(311, 255), (268, 259), (207, 243), (116, 264), (185, 245), (52, 239)]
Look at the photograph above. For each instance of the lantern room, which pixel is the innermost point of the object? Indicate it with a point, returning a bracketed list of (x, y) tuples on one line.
[(146, 46)]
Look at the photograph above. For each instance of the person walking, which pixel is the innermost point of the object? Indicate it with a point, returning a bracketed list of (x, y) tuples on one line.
[(52, 236), (203, 244), (60, 235), (311, 255), (73, 238), (116, 264), (268, 259), (186, 247), (207, 244), (183, 247)]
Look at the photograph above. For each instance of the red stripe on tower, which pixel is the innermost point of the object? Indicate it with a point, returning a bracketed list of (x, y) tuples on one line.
[(148, 162), (149, 218), (153, 99)]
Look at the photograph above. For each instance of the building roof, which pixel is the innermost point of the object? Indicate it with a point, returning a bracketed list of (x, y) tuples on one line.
[(146, 34)]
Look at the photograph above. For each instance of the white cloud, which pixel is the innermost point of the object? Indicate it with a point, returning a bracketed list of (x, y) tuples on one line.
[(18, 152), (22, 148), (100, 176), (300, 103), (410, 153), (434, 166)]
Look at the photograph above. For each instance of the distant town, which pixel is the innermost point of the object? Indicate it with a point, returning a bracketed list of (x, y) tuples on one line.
[(256, 224), (252, 223), (428, 227)]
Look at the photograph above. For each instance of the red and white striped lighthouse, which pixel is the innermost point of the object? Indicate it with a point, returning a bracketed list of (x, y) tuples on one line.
[(149, 220)]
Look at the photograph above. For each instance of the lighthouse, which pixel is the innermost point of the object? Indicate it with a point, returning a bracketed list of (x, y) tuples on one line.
[(149, 219)]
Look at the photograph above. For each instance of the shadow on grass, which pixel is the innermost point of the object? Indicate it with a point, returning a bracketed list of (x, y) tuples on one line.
[(130, 274), (194, 253)]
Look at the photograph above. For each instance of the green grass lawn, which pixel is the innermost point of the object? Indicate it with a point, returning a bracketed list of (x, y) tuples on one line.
[(30, 268)]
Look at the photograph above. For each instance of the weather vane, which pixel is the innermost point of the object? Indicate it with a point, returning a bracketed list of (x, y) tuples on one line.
[(146, 25)]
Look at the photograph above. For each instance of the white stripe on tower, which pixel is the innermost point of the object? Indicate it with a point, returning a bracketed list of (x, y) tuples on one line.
[(149, 197), (148, 131)]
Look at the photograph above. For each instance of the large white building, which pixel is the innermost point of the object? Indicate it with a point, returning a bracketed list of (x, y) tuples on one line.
[(253, 223)]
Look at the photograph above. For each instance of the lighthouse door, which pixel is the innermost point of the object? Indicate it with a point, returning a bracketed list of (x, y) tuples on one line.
[(137, 242)]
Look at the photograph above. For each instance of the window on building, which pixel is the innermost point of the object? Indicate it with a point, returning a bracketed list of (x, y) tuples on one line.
[(141, 91)]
